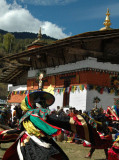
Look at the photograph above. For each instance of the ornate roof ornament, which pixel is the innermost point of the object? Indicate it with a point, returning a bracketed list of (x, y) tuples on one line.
[(39, 34), (39, 42), (107, 22)]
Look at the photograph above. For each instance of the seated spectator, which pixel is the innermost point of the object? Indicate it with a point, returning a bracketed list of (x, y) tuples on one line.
[(80, 112), (18, 113), (14, 123)]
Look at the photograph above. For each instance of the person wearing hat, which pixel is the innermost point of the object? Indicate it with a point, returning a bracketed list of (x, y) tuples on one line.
[(35, 134), (97, 119), (37, 127)]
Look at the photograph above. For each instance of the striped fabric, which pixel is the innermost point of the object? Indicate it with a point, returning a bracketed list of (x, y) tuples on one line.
[(87, 132), (113, 152), (111, 114), (5, 138)]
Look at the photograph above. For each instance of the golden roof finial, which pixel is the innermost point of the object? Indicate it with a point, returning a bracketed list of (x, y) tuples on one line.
[(39, 34), (38, 42), (107, 22)]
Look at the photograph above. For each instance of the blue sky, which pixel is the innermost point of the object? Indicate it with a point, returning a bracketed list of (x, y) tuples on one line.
[(57, 18)]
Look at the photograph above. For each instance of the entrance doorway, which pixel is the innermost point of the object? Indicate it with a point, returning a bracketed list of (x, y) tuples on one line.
[(66, 93)]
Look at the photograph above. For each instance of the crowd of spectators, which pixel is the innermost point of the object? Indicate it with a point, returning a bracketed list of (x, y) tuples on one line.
[(67, 136), (10, 115)]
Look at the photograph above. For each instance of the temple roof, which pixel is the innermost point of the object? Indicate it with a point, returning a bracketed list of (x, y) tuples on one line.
[(102, 45)]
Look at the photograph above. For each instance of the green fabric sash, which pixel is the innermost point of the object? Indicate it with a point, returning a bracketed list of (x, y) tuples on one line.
[(38, 117), (42, 125)]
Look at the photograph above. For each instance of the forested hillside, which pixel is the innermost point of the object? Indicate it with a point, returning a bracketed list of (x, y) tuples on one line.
[(16, 42)]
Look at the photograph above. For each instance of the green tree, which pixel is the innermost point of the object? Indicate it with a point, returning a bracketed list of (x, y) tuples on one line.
[(1, 38), (8, 40), (2, 52)]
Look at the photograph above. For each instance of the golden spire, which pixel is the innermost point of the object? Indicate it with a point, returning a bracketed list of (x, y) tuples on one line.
[(107, 22), (39, 34), (39, 42)]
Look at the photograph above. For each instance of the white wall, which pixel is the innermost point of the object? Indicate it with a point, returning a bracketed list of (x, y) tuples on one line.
[(17, 88), (9, 87), (78, 99), (88, 63), (58, 101), (105, 99)]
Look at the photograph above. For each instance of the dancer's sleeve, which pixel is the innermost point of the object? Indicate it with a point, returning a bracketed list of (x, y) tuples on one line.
[(10, 135), (76, 124), (60, 121)]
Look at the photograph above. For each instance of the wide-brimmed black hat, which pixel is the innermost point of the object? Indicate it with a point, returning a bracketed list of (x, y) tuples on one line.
[(44, 98)]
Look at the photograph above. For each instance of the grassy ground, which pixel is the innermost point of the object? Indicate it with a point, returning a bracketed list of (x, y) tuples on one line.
[(73, 151), (78, 152)]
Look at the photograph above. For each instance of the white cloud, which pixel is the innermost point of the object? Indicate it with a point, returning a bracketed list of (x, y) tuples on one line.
[(14, 18), (47, 2)]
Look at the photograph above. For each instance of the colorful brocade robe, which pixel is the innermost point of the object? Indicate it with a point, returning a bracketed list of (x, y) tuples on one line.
[(113, 113), (37, 118)]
